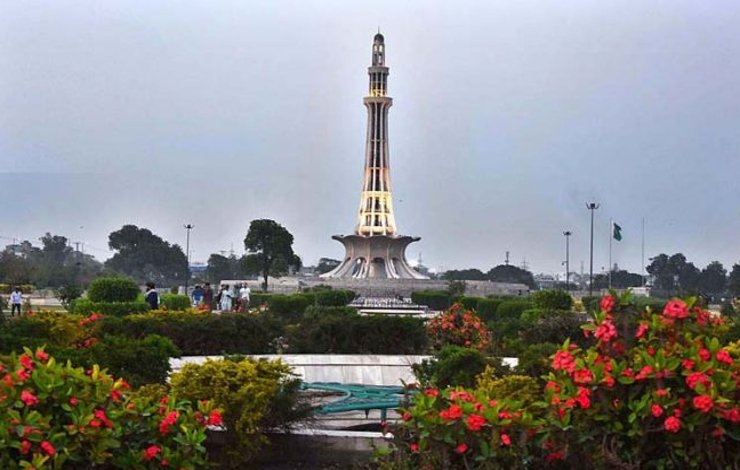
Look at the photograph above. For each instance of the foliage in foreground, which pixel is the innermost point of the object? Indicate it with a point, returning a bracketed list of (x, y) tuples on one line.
[(654, 390), (60, 417)]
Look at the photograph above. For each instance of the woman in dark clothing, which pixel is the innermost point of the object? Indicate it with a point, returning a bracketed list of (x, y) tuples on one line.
[(151, 296)]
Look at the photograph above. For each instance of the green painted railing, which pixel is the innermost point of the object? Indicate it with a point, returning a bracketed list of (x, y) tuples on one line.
[(358, 397)]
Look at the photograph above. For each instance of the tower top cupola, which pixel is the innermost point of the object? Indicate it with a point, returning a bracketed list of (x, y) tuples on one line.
[(378, 51)]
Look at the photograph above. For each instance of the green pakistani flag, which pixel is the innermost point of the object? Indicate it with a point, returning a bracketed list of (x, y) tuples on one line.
[(617, 232)]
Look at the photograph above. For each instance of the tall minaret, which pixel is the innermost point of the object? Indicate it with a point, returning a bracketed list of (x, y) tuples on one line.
[(376, 250), (376, 202)]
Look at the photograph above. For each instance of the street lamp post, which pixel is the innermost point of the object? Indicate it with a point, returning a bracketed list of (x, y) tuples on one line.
[(567, 234), (592, 206), (188, 228)]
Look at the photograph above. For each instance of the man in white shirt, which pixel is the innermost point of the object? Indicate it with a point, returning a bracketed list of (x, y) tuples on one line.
[(16, 299), (244, 294)]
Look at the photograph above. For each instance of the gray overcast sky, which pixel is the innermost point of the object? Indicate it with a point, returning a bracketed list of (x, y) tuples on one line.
[(508, 117)]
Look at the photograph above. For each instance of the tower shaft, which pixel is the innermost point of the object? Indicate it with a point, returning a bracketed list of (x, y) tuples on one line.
[(375, 215)]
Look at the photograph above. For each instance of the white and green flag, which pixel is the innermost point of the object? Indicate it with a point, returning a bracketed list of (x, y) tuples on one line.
[(616, 232)]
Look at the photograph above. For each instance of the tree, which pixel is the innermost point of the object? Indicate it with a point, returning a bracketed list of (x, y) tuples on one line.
[(269, 248), (327, 264), (674, 273), (733, 284), (509, 273), (222, 267), (472, 274), (146, 257), (621, 279), (713, 279)]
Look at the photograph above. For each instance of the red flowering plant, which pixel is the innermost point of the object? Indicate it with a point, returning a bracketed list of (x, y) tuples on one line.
[(458, 326), (458, 428), (57, 417), (656, 389)]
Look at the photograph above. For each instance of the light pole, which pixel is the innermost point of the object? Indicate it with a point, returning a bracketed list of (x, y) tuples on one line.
[(567, 234), (188, 228), (592, 206)]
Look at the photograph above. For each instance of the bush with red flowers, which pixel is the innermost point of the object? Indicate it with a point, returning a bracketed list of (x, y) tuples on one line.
[(60, 417), (459, 327), (654, 390)]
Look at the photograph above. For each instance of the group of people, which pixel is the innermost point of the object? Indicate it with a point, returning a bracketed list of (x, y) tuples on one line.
[(228, 299), (234, 299)]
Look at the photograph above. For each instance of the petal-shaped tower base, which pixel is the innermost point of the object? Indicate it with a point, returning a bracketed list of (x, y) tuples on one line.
[(376, 257)]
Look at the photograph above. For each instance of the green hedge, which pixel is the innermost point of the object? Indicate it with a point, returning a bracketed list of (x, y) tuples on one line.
[(113, 289), (258, 298), (355, 334), (434, 299), (85, 306), (319, 311), (487, 308), (552, 299), (175, 302), (290, 307), (510, 309), (334, 298), (197, 334)]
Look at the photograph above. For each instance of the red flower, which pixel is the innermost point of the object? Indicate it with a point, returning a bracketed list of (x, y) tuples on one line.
[(656, 410), (672, 424), (48, 448), (115, 394), (732, 415), (73, 401), (676, 309), (505, 440), (414, 447), (642, 329), (151, 452), (696, 378), (583, 376), (406, 416), (583, 397), (28, 398), (661, 392), (718, 432), (644, 373), (26, 361), (703, 403), (607, 303), (564, 360), (94, 423), (455, 412), (475, 422), (431, 392), (23, 375), (724, 357), (688, 364), (462, 448), (215, 419), (554, 457), (42, 356), (606, 331), (704, 354), (169, 420), (25, 447), (100, 415)]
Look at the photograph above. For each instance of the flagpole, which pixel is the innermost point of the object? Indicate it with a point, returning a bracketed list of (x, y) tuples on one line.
[(643, 252), (611, 235)]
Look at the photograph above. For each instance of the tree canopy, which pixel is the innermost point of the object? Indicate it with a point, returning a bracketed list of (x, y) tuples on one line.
[(269, 248), (146, 257)]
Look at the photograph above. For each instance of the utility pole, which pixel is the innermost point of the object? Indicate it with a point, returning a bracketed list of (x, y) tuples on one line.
[(188, 228), (567, 234), (592, 206)]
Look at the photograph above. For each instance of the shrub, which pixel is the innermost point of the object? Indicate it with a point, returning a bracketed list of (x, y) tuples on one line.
[(259, 298), (58, 416), (553, 327), (486, 308), (460, 327), (85, 306), (470, 303), (348, 333), (453, 366), (139, 361), (175, 302), (334, 298), (534, 359), (552, 300), (256, 395), (113, 289), (509, 309), (68, 293), (522, 388), (434, 299), (289, 307), (197, 334)]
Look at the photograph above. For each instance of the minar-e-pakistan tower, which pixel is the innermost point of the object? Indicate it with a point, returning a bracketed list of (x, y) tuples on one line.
[(376, 251)]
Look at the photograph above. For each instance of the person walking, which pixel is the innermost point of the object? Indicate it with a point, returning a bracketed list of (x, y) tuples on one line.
[(197, 295), (244, 294), (208, 296), (16, 300), (226, 295), (152, 296)]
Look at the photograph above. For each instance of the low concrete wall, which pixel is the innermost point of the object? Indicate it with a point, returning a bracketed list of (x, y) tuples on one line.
[(366, 369)]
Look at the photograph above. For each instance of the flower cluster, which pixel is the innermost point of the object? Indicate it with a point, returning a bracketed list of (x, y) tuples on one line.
[(55, 413), (460, 327)]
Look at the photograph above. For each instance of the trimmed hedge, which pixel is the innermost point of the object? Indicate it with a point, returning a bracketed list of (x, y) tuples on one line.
[(197, 334), (113, 289), (487, 308), (85, 306), (434, 299), (354, 334), (334, 298), (290, 307), (175, 302), (552, 299), (510, 309), (258, 298), (318, 312)]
